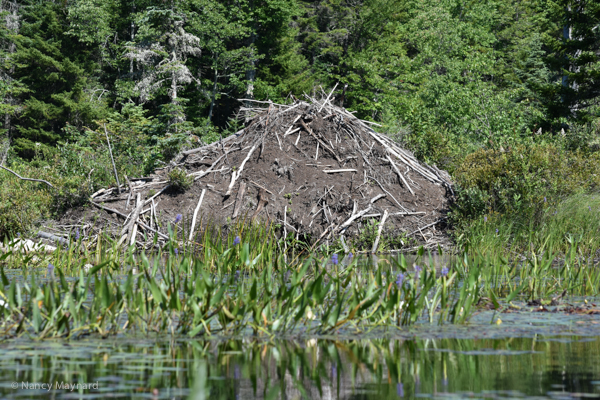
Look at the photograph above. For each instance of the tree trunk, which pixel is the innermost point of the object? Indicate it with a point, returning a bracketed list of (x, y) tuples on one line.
[(214, 94)]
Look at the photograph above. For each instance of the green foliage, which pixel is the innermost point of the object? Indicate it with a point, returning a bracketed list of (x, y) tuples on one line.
[(454, 82), (519, 191), (179, 180), (517, 179), (55, 69)]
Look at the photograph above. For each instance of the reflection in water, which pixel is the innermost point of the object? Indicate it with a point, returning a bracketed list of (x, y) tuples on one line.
[(297, 369)]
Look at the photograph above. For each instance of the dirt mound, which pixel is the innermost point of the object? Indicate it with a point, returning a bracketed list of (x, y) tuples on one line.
[(311, 167)]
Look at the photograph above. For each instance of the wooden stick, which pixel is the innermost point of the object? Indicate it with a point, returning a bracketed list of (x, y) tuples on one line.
[(399, 174), (239, 200), (263, 200), (333, 171), (376, 244), (152, 211), (236, 174), (264, 102), (200, 174), (355, 216), (327, 99), (157, 194), (113, 161), (382, 188), (291, 126), (265, 189), (120, 214), (379, 196), (294, 131), (394, 214), (331, 227), (424, 227), (26, 179), (129, 229), (55, 238), (196, 214), (230, 204), (319, 140), (99, 192)]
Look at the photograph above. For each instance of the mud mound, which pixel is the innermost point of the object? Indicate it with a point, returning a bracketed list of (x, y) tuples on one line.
[(311, 167)]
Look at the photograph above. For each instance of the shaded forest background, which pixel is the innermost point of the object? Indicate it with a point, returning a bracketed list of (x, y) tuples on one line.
[(504, 94)]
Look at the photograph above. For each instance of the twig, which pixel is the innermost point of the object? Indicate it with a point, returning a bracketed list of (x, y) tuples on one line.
[(385, 215), (157, 194), (379, 196), (196, 214), (113, 160), (129, 228), (294, 131), (55, 238), (236, 174), (120, 214), (265, 189), (319, 140), (230, 204), (26, 179), (333, 171), (394, 214), (399, 174), (355, 216), (327, 99), (239, 200), (424, 227), (382, 188), (331, 227)]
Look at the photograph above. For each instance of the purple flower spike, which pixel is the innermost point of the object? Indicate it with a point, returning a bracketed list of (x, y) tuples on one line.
[(496, 231), (176, 251), (399, 280), (236, 241), (545, 199), (76, 234), (350, 255), (485, 218), (444, 271), (334, 259), (50, 269), (418, 269), (590, 208), (178, 218), (400, 389), (18, 234)]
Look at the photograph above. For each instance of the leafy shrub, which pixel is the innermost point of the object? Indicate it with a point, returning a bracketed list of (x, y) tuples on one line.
[(22, 203), (179, 180), (521, 180)]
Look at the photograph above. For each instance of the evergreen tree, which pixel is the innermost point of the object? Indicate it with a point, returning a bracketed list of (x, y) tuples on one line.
[(573, 35), (55, 69)]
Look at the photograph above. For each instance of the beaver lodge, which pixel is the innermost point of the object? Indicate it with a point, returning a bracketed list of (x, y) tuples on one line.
[(311, 168)]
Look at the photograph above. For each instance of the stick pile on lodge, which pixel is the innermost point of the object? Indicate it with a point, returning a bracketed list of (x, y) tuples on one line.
[(311, 168)]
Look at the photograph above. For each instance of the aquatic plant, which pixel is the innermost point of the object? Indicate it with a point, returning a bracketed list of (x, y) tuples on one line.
[(250, 289)]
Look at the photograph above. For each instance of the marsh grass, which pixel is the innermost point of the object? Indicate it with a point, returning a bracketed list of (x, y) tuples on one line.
[(564, 226)]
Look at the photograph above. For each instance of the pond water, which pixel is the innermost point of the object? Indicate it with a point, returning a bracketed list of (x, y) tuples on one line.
[(524, 353), (423, 362)]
